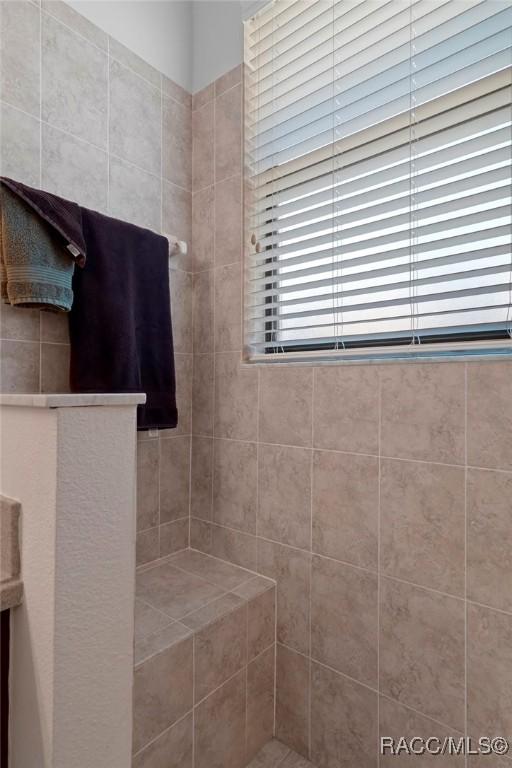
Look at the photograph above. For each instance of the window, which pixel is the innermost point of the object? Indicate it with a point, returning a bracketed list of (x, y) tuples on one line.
[(378, 164)]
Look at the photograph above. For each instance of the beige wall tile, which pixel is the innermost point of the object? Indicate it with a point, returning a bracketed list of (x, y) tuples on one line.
[(174, 478), (201, 485), (177, 219), (236, 392), (201, 535), (162, 692), (345, 507), (422, 524), (397, 722), (271, 755), (489, 672), (176, 92), (177, 143), (203, 96), (292, 699), (228, 308), (422, 651), (66, 59), (173, 749), (63, 161), (148, 462), (159, 641), (488, 761), (490, 418), (54, 326), (235, 484), (203, 312), (342, 428), (55, 367), (183, 365), (215, 571), (284, 495), (135, 119), (343, 721), (181, 309), (147, 546), (235, 546), (228, 133), (228, 221), (344, 619), (20, 366), (203, 238), (19, 144), (490, 538), (290, 568), (174, 536), (423, 412), (260, 702), (202, 395), (134, 195), (219, 733), (20, 56), (130, 59), (20, 324), (213, 612), (148, 620), (228, 80), (220, 650), (78, 23), (286, 405), (202, 147), (174, 592), (261, 622)]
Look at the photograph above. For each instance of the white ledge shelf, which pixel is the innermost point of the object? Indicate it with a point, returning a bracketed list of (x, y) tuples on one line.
[(73, 400)]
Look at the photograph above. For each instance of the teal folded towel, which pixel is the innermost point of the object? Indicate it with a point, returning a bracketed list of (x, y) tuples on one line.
[(36, 269)]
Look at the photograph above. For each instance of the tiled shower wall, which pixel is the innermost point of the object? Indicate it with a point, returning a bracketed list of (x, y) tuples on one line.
[(378, 497), (84, 117)]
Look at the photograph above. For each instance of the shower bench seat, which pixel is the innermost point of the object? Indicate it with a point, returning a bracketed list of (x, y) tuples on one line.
[(204, 663)]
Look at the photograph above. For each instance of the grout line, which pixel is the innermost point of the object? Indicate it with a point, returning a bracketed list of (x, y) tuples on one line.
[(230, 678), (358, 567), (212, 351), (105, 149), (461, 466), (369, 688), (163, 733)]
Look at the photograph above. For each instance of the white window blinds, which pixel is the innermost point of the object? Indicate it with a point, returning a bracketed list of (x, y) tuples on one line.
[(378, 157)]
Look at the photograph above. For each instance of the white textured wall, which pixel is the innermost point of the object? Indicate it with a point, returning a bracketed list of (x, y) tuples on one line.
[(159, 31), (73, 470)]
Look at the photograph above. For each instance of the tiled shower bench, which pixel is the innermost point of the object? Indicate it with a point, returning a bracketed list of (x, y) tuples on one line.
[(204, 663)]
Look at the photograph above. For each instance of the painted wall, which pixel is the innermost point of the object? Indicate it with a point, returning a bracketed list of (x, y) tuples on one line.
[(217, 40), (72, 652), (114, 134), (159, 32), (378, 497)]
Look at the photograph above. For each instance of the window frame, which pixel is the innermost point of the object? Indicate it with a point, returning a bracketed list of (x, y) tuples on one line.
[(439, 346)]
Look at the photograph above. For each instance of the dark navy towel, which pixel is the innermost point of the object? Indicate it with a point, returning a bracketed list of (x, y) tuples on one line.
[(120, 322)]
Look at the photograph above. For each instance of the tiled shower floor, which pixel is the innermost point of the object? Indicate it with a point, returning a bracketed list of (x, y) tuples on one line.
[(276, 755)]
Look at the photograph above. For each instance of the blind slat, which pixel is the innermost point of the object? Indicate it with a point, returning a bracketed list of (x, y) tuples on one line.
[(379, 156)]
